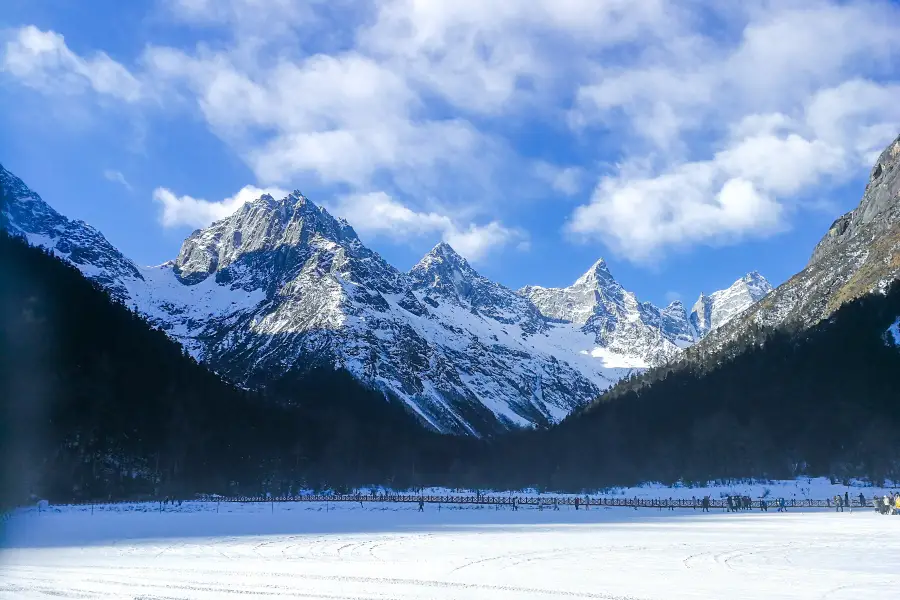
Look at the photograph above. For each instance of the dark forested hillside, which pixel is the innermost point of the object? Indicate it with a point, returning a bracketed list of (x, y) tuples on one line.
[(97, 404), (822, 401)]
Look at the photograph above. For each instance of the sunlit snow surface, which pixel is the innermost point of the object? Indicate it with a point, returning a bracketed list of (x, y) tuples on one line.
[(894, 332), (382, 551)]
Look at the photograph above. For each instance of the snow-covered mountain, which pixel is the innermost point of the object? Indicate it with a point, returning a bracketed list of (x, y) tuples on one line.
[(614, 317), (282, 285), (713, 311), (599, 305)]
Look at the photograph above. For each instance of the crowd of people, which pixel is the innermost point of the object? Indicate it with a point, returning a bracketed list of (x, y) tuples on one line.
[(739, 503), (889, 504)]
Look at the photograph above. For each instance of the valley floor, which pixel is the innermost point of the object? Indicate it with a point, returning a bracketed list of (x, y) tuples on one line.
[(382, 551)]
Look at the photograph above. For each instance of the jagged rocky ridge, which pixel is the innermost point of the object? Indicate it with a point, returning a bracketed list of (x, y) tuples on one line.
[(283, 285)]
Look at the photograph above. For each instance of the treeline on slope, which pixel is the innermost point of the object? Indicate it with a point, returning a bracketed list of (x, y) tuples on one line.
[(96, 404), (823, 401)]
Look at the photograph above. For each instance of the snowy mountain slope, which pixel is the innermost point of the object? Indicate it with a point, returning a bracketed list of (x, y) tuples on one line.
[(466, 354), (24, 214), (619, 322), (859, 254), (282, 285), (713, 311)]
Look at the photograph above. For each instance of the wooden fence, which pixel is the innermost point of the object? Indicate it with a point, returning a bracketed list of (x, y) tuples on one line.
[(540, 502)]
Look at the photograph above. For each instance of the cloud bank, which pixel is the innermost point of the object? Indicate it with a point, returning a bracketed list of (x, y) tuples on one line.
[(696, 124)]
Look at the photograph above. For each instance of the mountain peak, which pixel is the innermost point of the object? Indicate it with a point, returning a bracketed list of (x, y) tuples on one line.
[(446, 272), (289, 225), (712, 311), (877, 212), (443, 254), (446, 250), (596, 275)]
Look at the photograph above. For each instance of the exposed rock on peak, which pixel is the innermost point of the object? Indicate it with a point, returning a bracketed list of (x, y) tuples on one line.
[(713, 311), (859, 254), (873, 215)]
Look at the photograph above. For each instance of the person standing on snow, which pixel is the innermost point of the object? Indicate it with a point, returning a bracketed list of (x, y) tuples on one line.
[(421, 504)]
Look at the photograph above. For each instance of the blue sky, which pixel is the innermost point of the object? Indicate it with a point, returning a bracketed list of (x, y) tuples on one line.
[(686, 142)]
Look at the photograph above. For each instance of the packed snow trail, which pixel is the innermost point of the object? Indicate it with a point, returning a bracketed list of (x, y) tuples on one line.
[(385, 551)]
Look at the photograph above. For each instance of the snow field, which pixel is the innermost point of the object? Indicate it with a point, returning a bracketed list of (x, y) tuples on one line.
[(381, 551)]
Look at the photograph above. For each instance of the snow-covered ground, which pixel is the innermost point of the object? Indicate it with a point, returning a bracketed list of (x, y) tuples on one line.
[(381, 551)]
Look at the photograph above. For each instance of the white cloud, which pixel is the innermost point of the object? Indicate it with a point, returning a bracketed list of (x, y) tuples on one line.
[(118, 177), (719, 120), (566, 180), (672, 296), (475, 241), (42, 60), (195, 212), (723, 139), (638, 215), (377, 214)]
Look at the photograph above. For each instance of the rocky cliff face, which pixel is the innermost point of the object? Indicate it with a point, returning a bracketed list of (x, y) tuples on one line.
[(859, 254)]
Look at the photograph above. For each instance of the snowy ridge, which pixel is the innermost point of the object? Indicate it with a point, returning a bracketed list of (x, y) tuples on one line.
[(713, 311), (24, 214), (281, 285), (620, 322)]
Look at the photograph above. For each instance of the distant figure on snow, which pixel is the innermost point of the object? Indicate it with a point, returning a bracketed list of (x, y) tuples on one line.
[(421, 504)]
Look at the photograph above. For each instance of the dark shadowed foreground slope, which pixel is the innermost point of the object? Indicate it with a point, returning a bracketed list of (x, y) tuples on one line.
[(97, 404)]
